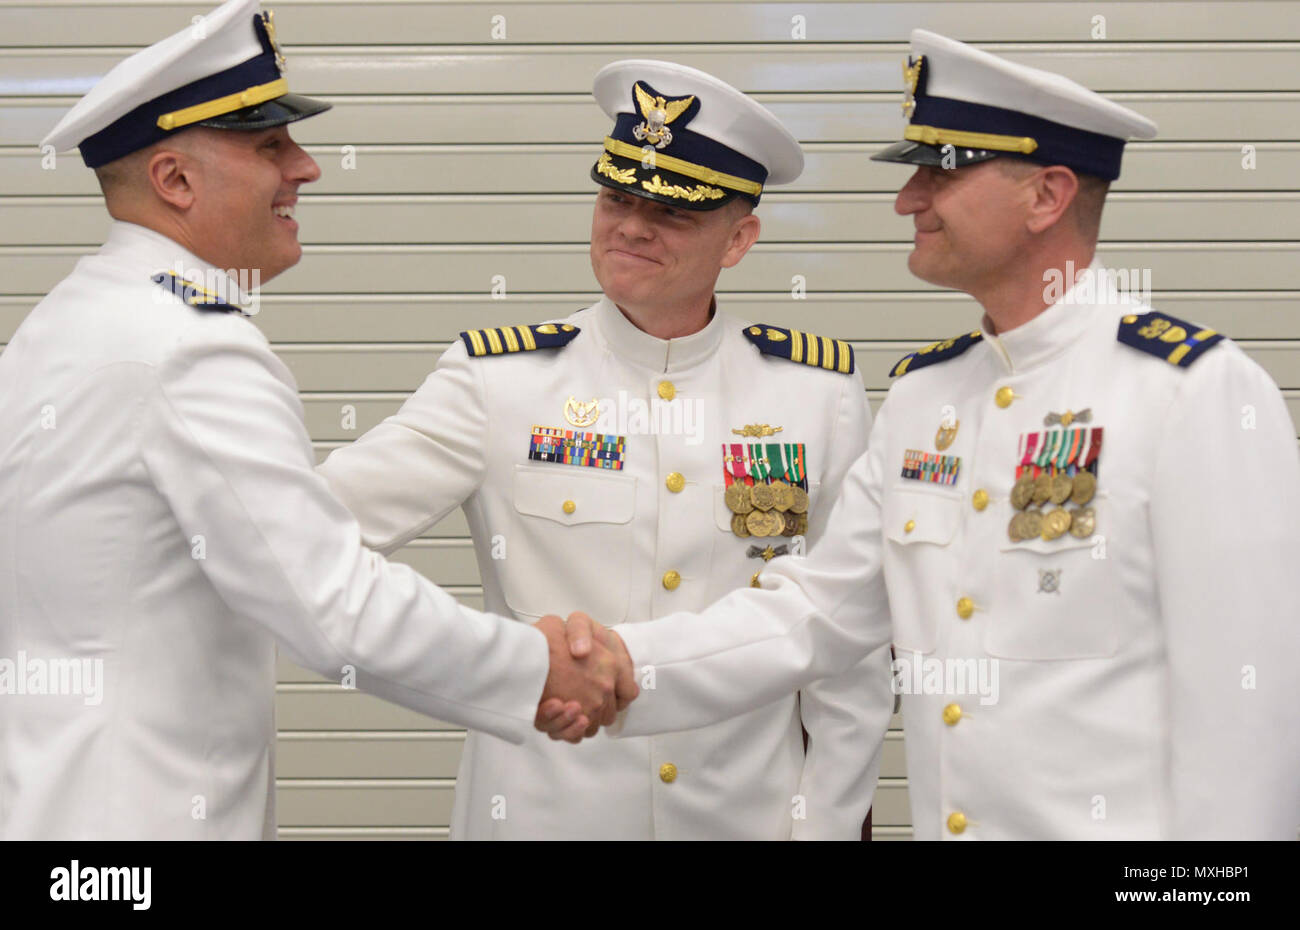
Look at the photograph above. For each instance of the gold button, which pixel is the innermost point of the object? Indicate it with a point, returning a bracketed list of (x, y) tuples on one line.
[(570, 506), (956, 822), (672, 580), (666, 390), (965, 607), (675, 481), (980, 499), (1004, 397), (909, 526), (951, 714), (668, 772)]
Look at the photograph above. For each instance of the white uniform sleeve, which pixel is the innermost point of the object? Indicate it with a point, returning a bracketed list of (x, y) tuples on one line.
[(1225, 522), (223, 440), (813, 617), (845, 716), (421, 463)]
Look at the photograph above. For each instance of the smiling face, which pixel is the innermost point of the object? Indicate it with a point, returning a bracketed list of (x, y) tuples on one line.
[(970, 224), (245, 188), (652, 256)]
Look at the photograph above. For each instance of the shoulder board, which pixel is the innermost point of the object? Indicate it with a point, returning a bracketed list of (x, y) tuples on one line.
[(193, 294), (798, 346), (1176, 341), (503, 340), (935, 352)]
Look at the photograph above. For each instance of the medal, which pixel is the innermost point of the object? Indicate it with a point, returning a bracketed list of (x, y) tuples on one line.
[(1083, 522), (1061, 488), (763, 496), (799, 500), (738, 499), (1055, 523), (1085, 486), (1023, 492)]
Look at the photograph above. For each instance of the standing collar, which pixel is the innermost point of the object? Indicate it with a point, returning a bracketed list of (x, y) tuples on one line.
[(148, 252), (1055, 329), (635, 345)]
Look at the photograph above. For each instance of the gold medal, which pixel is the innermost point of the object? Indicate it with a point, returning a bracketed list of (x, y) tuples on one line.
[(1031, 524), (763, 496), (799, 500), (1055, 523), (1061, 488), (738, 525), (1023, 492), (738, 499), (791, 521), (802, 527), (1085, 486), (1014, 527), (1083, 522), (783, 498), (756, 523), (1042, 489)]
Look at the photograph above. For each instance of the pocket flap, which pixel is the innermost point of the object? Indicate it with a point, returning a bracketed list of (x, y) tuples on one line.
[(921, 516), (590, 498)]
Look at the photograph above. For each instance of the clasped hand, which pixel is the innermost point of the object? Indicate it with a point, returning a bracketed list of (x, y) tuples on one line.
[(590, 681)]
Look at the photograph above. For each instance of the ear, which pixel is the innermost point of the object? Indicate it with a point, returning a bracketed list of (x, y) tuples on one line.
[(172, 174), (743, 235), (1055, 188)]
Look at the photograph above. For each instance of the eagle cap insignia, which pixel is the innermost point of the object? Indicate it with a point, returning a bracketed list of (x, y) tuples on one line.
[(911, 80), (657, 112), (268, 26)]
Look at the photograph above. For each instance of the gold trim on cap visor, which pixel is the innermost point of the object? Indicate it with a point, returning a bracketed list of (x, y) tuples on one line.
[(932, 135), (259, 93), (689, 169)]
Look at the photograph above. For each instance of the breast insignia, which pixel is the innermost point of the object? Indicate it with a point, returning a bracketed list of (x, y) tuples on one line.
[(798, 346), (1176, 341), (935, 352), (503, 340)]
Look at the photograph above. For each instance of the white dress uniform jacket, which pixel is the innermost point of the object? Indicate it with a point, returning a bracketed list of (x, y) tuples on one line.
[(624, 546), (160, 519), (1146, 673)]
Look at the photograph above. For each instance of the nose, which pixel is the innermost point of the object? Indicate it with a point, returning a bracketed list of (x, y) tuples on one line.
[(635, 224), (301, 168), (914, 196)]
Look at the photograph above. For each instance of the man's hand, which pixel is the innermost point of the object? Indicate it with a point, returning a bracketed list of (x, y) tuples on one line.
[(591, 678)]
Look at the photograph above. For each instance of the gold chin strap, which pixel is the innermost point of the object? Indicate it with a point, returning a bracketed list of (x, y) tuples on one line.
[(690, 169), (227, 104), (932, 135)]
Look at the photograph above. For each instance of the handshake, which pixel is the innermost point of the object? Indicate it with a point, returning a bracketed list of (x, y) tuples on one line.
[(590, 681)]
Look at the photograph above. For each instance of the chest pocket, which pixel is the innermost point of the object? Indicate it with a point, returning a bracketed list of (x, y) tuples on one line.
[(1061, 600), (919, 525), (570, 546)]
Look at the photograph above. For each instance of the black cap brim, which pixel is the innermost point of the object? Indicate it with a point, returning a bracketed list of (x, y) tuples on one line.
[(287, 108), (920, 153), (710, 197)]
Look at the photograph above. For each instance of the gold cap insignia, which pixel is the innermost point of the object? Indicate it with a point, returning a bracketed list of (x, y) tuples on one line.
[(268, 23), (658, 113), (911, 78)]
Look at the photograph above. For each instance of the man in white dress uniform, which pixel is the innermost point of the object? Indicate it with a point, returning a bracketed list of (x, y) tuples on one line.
[(1082, 516), (161, 527), (646, 454)]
